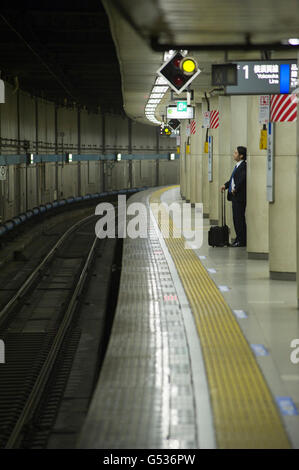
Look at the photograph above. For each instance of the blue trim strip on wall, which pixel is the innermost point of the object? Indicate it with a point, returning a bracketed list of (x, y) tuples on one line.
[(17, 159), (284, 78)]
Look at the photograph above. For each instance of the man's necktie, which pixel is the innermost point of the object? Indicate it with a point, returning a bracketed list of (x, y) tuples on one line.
[(230, 181)]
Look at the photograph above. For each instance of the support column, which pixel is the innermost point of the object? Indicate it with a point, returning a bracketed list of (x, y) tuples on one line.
[(257, 210), (192, 177), (194, 157), (214, 184), (225, 155), (239, 132), (188, 167), (282, 212), (198, 153), (183, 159), (205, 170)]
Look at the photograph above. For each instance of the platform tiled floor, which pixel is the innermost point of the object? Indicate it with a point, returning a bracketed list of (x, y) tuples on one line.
[(145, 395), (271, 308)]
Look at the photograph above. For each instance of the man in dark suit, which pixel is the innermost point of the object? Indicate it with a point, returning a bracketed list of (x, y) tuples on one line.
[(237, 194)]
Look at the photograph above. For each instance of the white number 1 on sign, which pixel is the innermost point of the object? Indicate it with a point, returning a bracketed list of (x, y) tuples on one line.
[(246, 68)]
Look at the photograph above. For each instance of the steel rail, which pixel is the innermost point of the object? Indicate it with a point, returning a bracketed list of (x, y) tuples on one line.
[(41, 381), (37, 271)]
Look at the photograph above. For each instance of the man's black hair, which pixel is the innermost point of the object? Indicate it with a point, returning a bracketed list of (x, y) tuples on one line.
[(242, 151)]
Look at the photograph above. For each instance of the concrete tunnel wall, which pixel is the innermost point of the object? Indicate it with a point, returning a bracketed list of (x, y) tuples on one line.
[(55, 130)]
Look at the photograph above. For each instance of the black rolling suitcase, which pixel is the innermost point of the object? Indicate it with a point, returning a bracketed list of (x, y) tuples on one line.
[(219, 236)]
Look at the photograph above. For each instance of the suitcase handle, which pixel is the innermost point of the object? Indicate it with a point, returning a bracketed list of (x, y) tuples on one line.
[(223, 218)]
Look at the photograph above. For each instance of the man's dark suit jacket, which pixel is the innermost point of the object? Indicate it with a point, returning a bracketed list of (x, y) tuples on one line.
[(240, 184)]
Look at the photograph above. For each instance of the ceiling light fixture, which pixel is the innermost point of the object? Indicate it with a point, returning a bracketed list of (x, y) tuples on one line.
[(160, 89), (161, 81), (157, 95), (293, 41)]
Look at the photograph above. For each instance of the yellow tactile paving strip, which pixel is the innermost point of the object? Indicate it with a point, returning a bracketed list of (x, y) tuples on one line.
[(244, 412)]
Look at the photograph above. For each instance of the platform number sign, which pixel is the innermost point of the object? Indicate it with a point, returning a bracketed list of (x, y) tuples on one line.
[(3, 172), (261, 77)]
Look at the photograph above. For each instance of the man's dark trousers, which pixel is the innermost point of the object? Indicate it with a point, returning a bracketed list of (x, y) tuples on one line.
[(239, 221)]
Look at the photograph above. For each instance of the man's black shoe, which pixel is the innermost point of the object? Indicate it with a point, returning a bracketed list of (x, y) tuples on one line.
[(237, 244)]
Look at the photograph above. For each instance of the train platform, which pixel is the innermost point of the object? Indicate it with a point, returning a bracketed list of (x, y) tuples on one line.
[(199, 355)]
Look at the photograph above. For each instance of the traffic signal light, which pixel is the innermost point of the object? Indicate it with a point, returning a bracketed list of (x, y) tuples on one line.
[(165, 130), (179, 71), (174, 123)]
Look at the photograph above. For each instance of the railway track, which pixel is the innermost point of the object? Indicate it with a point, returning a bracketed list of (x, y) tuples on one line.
[(37, 323)]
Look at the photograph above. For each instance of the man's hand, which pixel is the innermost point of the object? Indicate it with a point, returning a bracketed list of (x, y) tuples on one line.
[(234, 192), (222, 189)]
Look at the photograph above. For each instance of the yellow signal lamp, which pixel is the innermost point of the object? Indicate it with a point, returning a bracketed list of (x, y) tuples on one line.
[(188, 65)]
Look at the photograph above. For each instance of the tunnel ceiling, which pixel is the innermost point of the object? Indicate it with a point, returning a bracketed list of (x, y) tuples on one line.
[(210, 23), (220, 31), (61, 50)]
